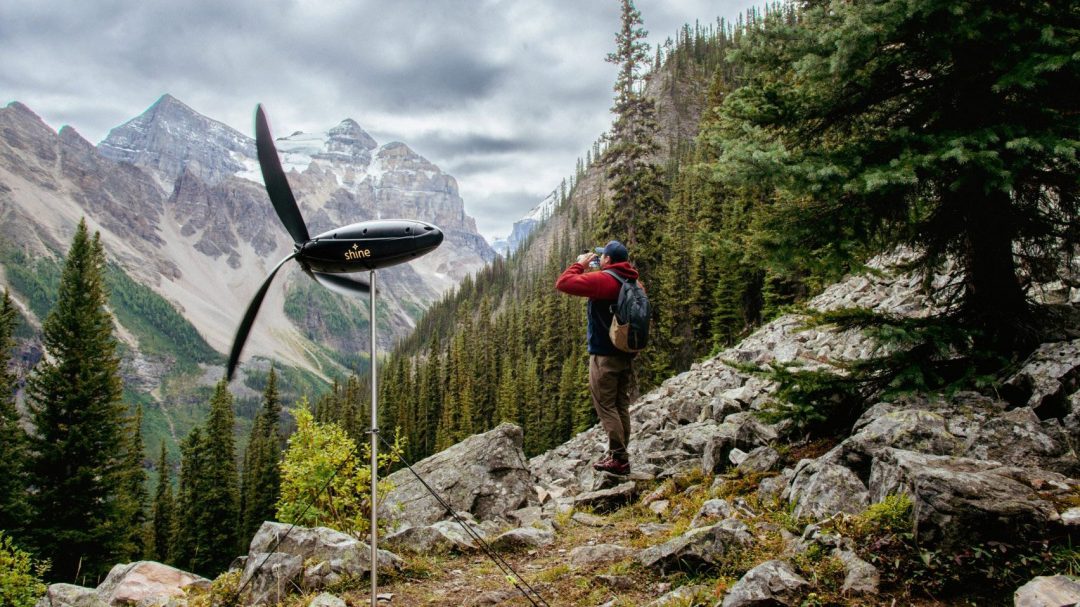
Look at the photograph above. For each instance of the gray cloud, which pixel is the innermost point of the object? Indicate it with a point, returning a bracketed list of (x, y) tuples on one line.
[(503, 94)]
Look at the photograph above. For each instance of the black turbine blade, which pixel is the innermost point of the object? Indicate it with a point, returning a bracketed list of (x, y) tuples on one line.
[(249, 319), (277, 186), (341, 284)]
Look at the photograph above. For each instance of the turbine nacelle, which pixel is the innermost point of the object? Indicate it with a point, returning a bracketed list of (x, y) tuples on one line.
[(368, 245)]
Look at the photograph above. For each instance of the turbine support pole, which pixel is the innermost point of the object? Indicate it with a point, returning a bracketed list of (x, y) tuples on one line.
[(374, 458)]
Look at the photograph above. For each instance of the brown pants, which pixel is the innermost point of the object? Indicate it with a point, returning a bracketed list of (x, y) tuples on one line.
[(610, 378)]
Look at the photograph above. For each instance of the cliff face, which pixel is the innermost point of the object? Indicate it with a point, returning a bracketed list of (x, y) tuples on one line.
[(180, 203)]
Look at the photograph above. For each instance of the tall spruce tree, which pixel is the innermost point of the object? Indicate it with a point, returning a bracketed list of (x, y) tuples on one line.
[(164, 512), (134, 498), (14, 512), (208, 507), (188, 542), (78, 446), (632, 214), (948, 125), (262, 473), (220, 499)]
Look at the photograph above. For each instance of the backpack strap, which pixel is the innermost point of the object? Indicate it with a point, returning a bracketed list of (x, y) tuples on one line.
[(621, 280)]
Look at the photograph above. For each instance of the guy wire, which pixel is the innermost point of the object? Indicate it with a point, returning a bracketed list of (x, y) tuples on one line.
[(498, 560)]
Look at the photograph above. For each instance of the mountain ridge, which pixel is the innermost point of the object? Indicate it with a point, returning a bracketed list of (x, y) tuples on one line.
[(186, 221)]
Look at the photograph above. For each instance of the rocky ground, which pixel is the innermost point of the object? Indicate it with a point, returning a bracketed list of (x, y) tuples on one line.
[(929, 499)]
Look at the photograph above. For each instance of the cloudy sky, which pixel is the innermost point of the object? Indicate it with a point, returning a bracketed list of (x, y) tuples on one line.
[(505, 95)]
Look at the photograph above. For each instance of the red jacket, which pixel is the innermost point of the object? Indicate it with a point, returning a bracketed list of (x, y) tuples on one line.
[(602, 291), (594, 285)]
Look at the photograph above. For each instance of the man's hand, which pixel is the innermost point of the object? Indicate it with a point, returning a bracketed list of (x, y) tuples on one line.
[(585, 258)]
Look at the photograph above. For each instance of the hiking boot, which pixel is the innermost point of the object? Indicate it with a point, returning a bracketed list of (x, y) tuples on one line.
[(613, 466), (603, 463)]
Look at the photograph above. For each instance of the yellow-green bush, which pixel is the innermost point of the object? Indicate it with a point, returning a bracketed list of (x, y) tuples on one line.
[(20, 575), (323, 482)]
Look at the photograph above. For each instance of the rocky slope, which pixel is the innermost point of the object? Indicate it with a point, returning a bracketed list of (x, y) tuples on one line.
[(180, 204)]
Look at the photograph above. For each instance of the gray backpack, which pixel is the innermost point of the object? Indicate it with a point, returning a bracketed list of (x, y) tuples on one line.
[(630, 325)]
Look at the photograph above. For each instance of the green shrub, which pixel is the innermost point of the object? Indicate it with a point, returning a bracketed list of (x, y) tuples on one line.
[(323, 482), (20, 575)]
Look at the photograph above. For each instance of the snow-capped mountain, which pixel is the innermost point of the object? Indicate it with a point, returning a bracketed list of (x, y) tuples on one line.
[(525, 226), (180, 203)]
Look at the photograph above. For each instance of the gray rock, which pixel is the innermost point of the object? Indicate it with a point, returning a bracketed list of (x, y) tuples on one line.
[(712, 511), (134, 582), (762, 459), (608, 499), (655, 528), (1071, 517), (485, 475), (1046, 379), (910, 429), (524, 538), (70, 595), (617, 582), (660, 507), (326, 600), (697, 549), (270, 577), (961, 501), (587, 556), (589, 520), (437, 538), (714, 457), (348, 557), (770, 583), (860, 577), (1020, 438), (1048, 591), (526, 516), (494, 597), (820, 490)]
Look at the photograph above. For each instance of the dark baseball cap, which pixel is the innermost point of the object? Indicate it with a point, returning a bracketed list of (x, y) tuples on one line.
[(616, 251)]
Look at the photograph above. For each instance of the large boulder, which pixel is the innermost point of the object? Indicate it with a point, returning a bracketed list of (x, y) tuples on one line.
[(485, 475), (70, 595), (1046, 378), (1048, 591), (770, 583), (269, 577), (961, 501), (820, 490), (345, 556), (134, 582)]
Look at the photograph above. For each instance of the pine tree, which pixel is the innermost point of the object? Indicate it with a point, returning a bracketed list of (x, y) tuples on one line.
[(637, 199), (77, 449), (134, 497), (14, 511), (262, 472), (208, 505), (188, 542), (947, 125), (164, 512), (219, 502)]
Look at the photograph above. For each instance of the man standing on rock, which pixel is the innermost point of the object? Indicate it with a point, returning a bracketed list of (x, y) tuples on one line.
[(610, 369)]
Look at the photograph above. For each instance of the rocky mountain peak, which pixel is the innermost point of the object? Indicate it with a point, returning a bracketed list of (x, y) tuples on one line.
[(170, 136), (349, 139), (71, 137)]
